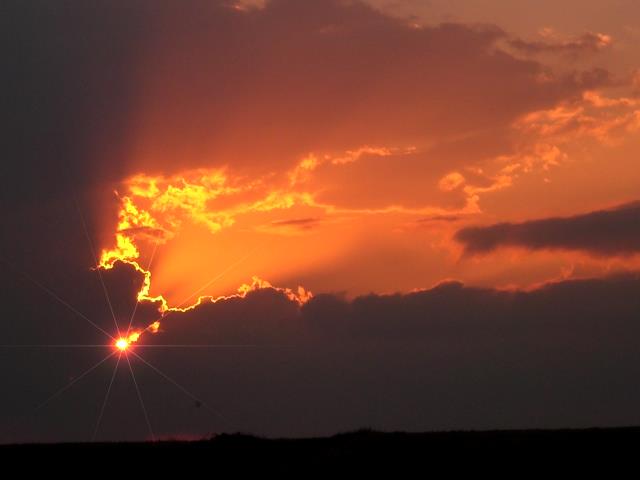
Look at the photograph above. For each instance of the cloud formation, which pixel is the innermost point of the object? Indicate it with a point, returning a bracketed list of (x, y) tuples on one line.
[(605, 232), (449, 316), (327, 144), (588, 42), (325, 110), (444, 357)]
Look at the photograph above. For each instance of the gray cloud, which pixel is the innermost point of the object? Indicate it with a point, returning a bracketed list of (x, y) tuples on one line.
[(449, 357), (452, 356), (588, 42), (604, 232)]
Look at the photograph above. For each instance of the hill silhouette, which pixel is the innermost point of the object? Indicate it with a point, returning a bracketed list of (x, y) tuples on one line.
[(362, 451)]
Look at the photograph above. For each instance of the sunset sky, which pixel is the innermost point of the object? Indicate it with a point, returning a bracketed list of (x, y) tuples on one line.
[(407, 215)]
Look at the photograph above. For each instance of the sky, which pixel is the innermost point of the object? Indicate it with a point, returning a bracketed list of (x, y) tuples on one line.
[(307, 217)]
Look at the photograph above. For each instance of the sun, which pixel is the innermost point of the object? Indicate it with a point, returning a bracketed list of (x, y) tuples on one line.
[(122, 344)]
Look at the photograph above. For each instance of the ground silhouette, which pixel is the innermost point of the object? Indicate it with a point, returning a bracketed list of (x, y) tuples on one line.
[(364, 451)]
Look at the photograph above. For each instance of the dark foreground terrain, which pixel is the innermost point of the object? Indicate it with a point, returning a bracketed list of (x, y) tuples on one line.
[(518, 451)]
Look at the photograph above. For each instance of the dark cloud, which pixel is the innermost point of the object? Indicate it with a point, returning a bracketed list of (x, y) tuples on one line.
[(93, 92), (438, 218), (588, 42), (450, 315), (325, 75), (96, 93), (68, 95), (69, 306), (449, 357), (604, 232), (297, 223)]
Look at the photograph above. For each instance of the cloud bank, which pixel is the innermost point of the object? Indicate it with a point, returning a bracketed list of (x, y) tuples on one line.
[(605, 232)]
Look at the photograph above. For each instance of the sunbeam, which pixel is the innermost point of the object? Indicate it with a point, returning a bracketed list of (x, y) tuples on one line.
[(144, 409), (203, 287), (183, 389), (55, 296), (74, 381), (106, 399), (96, 266)]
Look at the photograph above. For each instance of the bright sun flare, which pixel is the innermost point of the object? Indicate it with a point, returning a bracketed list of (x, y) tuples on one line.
[(122, 344)]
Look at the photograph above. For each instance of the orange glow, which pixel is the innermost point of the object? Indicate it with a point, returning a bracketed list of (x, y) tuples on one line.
[(133, 337), (369, 218), (156, 208), (122, 344), (154, 327), (179, 213), (358, 190)]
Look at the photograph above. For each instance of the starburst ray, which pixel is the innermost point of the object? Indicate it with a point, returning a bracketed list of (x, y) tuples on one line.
[(97, 267), (144, 409), (39, 345), (55, 296), (221, 345), (183, 390), (208, 284), (74, 381), (106, 399), (215, 279)]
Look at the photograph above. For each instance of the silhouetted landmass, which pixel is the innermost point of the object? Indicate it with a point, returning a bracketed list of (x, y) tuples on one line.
[(363, 451)]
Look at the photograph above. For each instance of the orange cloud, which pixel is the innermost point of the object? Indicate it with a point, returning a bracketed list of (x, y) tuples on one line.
[(313, 164), (451, 181), (607, 119)]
